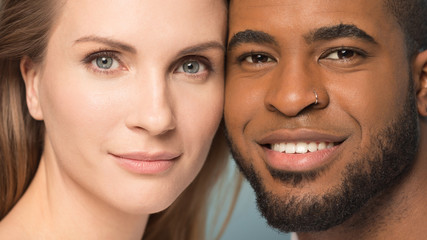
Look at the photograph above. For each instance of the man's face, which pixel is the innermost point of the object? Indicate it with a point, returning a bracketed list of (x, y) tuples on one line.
[(312, 164)]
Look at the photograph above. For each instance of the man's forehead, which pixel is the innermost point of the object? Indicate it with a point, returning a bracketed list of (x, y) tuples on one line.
[(261, 4), (302, 7), (306, 18), (288, 3)]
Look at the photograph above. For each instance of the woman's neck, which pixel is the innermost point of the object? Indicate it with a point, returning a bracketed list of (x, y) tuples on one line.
[(54, 207)]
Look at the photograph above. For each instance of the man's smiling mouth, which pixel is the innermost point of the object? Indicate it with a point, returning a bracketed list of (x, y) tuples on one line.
[(300, 147)]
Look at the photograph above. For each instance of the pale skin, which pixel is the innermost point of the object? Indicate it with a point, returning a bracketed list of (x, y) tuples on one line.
[(148, 101), (356, 95)]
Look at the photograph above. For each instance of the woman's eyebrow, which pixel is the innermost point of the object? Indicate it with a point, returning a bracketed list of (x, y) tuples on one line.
[(201, 47), (107, 41), (128, 48)]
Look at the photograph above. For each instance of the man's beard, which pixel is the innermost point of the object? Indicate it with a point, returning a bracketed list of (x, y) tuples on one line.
[(390, 156)]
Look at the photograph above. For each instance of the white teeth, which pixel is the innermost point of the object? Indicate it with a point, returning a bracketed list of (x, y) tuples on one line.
[(290, 148), (301, 147), (312, 147), (282, 147), (276, 147)]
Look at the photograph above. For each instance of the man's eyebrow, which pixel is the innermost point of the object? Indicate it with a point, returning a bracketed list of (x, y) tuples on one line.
[(338, 31), (107, 41), (251, 36), (201, 47)]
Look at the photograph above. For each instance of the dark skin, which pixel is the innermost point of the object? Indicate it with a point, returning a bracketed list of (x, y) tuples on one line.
[(352, 53)]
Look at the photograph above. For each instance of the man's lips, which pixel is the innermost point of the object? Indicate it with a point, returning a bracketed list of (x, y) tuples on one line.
[(299, 135), (299, 150), (300, 147), (305, 162)]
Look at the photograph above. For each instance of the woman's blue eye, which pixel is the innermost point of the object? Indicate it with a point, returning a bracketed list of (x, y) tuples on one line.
[(104, 62), (191, 67)]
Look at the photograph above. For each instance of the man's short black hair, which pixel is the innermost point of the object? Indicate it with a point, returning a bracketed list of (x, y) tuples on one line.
[(412, 17)]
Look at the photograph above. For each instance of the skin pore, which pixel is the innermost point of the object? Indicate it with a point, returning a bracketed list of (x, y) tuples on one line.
[(365, 126), (131, 93)]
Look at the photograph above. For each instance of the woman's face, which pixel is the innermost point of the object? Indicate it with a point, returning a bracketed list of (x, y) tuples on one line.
[(131, 93)]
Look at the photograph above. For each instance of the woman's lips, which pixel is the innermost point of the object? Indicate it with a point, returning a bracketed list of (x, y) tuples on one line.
[(145, 163)]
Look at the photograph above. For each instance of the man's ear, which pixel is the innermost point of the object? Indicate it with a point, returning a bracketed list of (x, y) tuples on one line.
[(420, 78), (31, 74)]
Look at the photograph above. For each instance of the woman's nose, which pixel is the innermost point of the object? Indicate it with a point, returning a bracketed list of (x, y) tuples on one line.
[(152, 108)]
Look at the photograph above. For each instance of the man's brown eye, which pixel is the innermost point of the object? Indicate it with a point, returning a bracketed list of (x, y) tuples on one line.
[(345, 54), (341, 54), (258, 58)]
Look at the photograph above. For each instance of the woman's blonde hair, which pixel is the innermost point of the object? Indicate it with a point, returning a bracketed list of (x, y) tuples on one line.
[(25, 27)]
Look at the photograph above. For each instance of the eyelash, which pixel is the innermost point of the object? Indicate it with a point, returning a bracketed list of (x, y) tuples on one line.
[(199, 59), (88, 59), (357, 51), (242, 58)]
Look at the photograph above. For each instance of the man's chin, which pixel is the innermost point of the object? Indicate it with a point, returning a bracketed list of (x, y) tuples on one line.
[(372, 171), (308, 212), (302, 211)]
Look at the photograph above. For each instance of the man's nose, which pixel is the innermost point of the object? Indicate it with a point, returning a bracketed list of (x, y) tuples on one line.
[(293, 88)]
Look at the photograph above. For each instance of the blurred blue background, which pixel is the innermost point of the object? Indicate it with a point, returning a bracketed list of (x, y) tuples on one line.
[(246, 222)]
